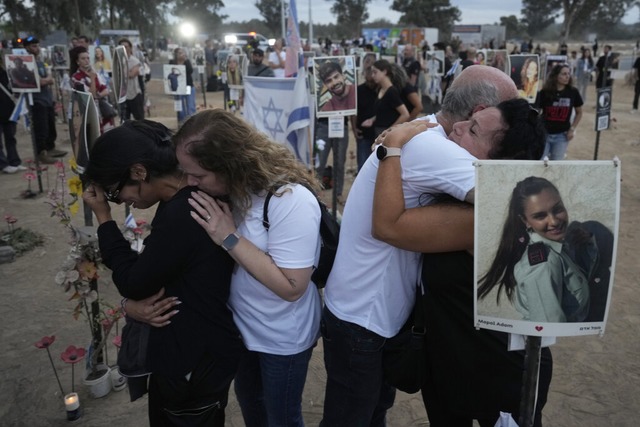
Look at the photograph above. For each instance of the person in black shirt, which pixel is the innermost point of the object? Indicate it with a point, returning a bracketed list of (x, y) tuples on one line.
[(193, 357)]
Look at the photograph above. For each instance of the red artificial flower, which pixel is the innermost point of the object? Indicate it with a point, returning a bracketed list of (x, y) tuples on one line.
[(106, 324), (45, 341), (10, 219), (117, 341), (29, 176), (59, 165), (137, 230), (73, 355), (141, 222), (43, 168)]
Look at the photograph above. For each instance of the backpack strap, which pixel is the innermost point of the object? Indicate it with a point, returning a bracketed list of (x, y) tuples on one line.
[(265, 210)]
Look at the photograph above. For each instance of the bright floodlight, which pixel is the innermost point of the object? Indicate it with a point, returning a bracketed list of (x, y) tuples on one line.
[(187, 29)]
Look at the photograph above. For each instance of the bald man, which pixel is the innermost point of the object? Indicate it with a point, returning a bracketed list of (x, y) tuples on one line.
[(371, 290), (411, 65)]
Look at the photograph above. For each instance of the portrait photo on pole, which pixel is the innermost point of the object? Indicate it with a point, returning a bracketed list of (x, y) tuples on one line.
[(498, 59), (335, 79), (175, 79), (525, 73), (434, 62), (86, 127), (366, 61), (101, 59), (59, 57), (236, 69), (545, 245), (551, 61), (22, 73), (120, 73)]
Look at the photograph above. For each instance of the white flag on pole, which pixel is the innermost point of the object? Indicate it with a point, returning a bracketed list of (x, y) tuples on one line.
[(280, 108)]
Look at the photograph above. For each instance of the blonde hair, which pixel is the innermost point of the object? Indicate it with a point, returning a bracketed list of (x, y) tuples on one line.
[(248, 161)]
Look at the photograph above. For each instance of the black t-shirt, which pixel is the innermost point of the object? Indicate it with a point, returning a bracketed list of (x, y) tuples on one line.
[(367, 97), (407, 90), (411, 67), (470, 371), (386, 113), (557, 107)]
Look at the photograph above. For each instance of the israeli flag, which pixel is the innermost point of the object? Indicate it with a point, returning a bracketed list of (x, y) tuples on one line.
[(20, 108), (130, 221), (280, 109)]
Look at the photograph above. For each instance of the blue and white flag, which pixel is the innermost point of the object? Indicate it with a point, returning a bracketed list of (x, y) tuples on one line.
[(130, 221), (20, 109), (280, 108)]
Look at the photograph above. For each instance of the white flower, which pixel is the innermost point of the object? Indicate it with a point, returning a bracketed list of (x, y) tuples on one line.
[(61, 277)]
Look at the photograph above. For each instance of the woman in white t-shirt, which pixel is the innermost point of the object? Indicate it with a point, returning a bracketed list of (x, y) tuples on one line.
[(274, 303), (277, 58)]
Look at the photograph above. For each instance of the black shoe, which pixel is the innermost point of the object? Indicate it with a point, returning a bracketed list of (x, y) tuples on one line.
[(45, 158), (57, 153)]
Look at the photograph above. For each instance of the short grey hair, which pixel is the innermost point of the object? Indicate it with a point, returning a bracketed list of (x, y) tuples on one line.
[(459, 101)]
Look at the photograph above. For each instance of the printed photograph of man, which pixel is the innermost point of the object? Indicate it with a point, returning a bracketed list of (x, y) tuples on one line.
[(21, 70), (338, 85)]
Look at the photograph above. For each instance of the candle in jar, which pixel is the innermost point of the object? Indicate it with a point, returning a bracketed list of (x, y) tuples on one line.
[(71, 401)]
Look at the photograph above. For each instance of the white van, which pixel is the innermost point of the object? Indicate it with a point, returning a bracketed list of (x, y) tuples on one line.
[(241, 39)]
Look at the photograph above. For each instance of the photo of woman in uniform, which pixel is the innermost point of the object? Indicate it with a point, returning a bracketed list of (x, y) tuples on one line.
[(550, 268)]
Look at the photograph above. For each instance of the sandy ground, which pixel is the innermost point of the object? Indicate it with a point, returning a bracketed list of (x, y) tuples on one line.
[(595, 383)]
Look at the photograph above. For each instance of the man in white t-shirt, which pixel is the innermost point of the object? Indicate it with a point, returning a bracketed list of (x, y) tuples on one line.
[(371, 290), (277, 58)]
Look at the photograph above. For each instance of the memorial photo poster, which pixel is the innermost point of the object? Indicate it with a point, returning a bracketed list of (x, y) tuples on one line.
[(100, 57), (60, 57), (335, 80), (545, 245), (498, 59), (23, 73), (175, 79), (525, 73), (120, 73)]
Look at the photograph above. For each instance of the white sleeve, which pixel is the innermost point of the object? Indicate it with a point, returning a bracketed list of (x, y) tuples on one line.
[(294, 228)]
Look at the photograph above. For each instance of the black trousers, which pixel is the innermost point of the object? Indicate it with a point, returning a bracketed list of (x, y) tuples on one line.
[(197, 401), (44, 126)]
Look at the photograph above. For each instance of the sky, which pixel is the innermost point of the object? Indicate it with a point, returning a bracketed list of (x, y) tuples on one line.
[(473, 11)]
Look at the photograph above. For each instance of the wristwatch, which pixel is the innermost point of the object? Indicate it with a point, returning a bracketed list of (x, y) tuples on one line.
[(230, 241), (383, 152)]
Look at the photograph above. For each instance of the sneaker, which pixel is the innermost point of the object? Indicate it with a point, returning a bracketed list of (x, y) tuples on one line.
[(45, 158), (634, 111), (57, 153), (9, 169), (20, 167)]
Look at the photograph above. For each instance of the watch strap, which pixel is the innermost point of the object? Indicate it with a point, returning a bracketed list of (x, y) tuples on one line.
[(391, 152)]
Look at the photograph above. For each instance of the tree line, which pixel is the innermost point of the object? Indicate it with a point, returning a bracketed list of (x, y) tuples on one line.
[(574, 17)]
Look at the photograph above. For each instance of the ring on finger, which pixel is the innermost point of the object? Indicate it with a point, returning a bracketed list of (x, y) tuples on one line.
[(208, 218)]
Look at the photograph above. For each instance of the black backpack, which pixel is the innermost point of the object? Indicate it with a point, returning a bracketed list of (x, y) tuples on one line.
[(329, 234)]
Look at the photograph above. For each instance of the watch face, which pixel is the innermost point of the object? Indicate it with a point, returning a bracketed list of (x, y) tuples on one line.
[(381, 152)]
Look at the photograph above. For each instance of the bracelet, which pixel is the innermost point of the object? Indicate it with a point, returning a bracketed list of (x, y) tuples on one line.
[(123, 304)]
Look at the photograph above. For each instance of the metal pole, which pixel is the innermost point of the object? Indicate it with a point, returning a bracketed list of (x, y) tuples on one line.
[(310, 25), (530, 381), (29, 100), (595, 153), (204, 89), (282, 17)]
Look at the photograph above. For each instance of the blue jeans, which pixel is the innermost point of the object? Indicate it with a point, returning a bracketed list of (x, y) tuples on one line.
[(188, 105), (556, 146), (356, 394), (269, 388), (364, 150), (340, 146)]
